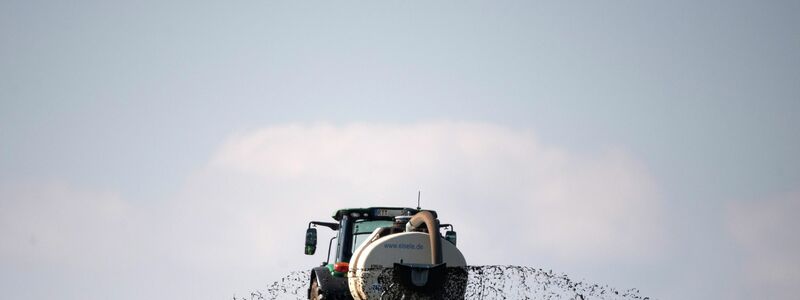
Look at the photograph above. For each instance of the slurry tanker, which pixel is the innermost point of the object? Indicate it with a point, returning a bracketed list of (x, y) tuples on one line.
[(387, 253)]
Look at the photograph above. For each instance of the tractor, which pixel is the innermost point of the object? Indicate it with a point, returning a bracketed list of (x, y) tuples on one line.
[(387, 253)]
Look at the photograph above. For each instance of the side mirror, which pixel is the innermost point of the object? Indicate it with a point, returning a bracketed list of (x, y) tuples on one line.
[(311, 241), (450, 236)]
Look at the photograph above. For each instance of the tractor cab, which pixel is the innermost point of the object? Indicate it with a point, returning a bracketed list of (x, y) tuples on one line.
[(353, 226)]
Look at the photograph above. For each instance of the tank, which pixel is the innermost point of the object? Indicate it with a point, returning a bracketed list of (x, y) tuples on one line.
[(402, 264)]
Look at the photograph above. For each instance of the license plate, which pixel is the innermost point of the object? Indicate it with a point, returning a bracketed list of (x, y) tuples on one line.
[(388, 212)]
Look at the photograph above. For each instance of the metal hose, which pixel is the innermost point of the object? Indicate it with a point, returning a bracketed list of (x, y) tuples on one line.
[(432, 224)]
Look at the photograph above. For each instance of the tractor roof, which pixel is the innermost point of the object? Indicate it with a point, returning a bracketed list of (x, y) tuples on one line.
[(377, 213)]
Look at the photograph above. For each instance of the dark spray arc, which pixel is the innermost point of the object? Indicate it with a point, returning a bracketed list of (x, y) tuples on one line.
[(483, 282)]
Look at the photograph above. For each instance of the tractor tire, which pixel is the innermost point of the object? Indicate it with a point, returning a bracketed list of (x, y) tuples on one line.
[(315, 293)]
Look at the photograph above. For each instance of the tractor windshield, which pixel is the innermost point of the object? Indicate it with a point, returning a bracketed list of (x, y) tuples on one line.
[(363, 228)]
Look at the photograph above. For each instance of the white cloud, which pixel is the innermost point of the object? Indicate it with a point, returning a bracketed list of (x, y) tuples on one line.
[(54, 223), (766, 232), (499, 186)]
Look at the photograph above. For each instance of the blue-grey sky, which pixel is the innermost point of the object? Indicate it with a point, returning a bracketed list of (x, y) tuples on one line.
[(125, 127)]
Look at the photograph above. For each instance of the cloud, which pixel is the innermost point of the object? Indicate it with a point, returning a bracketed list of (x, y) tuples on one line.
[(500, 186), (54, 223), (66, 242), (766, 233)]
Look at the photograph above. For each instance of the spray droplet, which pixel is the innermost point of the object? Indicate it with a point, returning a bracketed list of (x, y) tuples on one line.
[(483, 282)]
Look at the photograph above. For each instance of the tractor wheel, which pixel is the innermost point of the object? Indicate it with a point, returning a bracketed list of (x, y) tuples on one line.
[(315, 293)]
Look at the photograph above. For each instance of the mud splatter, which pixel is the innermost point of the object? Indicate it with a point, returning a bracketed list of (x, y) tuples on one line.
[(291, 287), (518, 282), (483, 282)]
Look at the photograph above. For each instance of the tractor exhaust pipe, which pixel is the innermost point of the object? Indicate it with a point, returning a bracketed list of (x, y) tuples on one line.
[(432, 224)]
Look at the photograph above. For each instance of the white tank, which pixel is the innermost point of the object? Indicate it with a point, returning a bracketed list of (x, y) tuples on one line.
[(378, 253)]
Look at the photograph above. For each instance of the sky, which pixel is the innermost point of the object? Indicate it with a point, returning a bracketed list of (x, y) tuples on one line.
[(178, 149)]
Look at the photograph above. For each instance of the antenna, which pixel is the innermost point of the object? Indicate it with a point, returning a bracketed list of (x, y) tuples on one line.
[(419, 193)]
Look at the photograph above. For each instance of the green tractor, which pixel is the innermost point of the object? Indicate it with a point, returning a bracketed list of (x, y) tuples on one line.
[(382, 250)]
